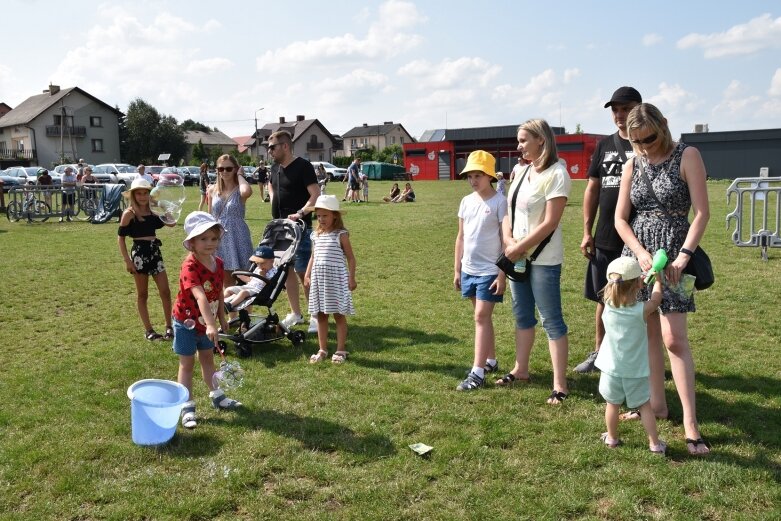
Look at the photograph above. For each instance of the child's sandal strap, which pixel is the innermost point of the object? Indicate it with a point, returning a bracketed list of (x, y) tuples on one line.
[(153, 335), (318, 357), (339, 357)]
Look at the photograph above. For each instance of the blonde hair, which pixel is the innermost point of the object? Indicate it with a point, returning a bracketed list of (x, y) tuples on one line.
[(135, 207), (648, 116), (220, 182), (619, 293), (540, 129), (338, 222)]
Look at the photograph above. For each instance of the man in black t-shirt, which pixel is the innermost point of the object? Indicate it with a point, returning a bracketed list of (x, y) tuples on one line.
[(293, 187), (604, 179)]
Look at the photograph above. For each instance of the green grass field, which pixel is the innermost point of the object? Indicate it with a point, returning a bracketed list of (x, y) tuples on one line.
[(331, 442)]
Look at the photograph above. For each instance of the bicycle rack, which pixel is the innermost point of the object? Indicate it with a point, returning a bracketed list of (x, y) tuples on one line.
[(755, 194)]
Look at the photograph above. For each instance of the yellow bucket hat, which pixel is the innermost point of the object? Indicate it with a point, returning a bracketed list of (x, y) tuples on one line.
[(480, 161)]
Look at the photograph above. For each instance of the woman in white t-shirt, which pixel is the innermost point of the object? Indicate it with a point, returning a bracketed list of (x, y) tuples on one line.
[(542, 189)]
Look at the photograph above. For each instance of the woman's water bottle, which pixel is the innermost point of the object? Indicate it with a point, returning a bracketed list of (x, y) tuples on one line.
[(520, 265)]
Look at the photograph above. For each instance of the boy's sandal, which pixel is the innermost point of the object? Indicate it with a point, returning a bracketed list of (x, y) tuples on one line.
[(318, 357), (153, 335), (510, 378), (169, 334), (610, 442), (693, 446), (339, 357), (632, 414), (557, 397), (224, 403), (660, 448), (188, 417)]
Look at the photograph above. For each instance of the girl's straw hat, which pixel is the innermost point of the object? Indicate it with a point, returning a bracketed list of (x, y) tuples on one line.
[(138, 184), (480, 161), (326, 202)]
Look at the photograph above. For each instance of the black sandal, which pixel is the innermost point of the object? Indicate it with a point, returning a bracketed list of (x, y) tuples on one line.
[(510, 378), (152, 335), (169, 334), (558, 396)]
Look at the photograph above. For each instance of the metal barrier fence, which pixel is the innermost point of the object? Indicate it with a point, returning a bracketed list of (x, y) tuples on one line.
[(38, 203), (758, 204)]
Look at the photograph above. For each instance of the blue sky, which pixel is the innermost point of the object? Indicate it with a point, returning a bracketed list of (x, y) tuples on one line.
[(425, 64)]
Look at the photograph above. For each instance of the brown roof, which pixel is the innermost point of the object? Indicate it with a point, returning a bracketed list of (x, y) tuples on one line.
[(33, 106)]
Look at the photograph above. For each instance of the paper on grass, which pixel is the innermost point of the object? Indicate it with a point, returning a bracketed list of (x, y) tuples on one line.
[(421, 448)]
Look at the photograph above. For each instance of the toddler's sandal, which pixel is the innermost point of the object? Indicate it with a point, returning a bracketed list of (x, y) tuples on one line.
[(318, 357), (152, 335), (169, 334), (188, 417), (339, 357)]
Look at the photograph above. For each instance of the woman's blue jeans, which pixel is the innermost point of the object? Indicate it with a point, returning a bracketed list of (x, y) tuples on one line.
[(543, 289)]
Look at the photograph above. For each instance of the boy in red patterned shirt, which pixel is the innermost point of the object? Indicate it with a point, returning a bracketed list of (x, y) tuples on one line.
[(198, 307)]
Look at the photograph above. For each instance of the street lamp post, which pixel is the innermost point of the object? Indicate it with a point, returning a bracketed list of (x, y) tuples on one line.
[(257, 146)]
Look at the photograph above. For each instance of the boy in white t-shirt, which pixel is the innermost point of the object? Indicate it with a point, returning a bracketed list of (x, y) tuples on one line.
[(478, 245)]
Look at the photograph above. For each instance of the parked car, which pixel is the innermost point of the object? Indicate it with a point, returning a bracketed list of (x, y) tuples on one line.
[(191, 174), (333, 171), (122, 172), (169, 172), (247, 172), (10, 181), (27, 175)]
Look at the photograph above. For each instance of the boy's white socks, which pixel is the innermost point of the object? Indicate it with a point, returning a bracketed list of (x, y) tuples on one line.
[(479, 371)]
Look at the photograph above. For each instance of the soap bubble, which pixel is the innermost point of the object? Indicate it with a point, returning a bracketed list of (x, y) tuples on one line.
[(167, 198), (229, 376)]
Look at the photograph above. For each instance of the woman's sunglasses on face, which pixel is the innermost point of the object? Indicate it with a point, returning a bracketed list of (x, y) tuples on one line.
[(645, 141), (228, 169)]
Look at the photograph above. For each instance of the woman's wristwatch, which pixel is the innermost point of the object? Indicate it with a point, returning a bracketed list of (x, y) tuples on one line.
[(687, 251)]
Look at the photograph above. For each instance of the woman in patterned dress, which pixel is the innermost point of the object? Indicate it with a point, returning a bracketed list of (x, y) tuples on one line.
[(677, 174), (227, 203)]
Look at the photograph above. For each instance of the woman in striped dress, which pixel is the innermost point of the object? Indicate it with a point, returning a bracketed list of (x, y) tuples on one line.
[(330, 277)]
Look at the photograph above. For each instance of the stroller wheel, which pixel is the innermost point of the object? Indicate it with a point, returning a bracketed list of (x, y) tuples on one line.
[(243, 350), (297, 337)]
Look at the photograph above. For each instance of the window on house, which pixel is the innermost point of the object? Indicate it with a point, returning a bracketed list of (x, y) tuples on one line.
[(393, 140), (59, 121), (2, 145), (353, 142), (401, 139), (97, 145), (95, 121)]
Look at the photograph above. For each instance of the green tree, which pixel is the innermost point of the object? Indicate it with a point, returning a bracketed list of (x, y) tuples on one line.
[(199, 152), (387, 153), (367, 154), (578, 129), (150, 134), (189, 124)]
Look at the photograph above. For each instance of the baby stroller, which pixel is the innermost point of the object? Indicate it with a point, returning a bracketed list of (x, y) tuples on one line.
[(283, 236)]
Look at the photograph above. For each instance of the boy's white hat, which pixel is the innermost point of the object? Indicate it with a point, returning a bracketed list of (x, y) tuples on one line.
[(627, 268), (326, 202), (197, 223)]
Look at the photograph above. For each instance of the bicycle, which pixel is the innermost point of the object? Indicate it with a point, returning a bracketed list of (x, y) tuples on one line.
[(32, 208)]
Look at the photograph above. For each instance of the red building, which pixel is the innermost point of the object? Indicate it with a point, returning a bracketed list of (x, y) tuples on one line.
[(442, 154)]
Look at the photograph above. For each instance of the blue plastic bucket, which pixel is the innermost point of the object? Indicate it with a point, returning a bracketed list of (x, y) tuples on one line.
[(155, 407)]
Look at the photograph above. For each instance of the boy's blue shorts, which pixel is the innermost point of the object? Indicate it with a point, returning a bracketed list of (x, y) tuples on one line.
[(479, 286), (186, 341)]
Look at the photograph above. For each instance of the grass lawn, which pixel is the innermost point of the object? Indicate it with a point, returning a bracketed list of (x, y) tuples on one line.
[(331, 442)]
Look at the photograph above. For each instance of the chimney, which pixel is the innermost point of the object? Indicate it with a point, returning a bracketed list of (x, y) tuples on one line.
[(300, 117), (281, 119), (53, 89), (365, 125), (387, 123)]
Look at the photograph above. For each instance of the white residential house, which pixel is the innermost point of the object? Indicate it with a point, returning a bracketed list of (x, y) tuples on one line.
[(60, 126), (377, 136), (311, 140)]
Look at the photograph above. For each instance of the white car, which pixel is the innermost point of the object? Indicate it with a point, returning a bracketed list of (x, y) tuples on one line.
[(121, 172), (333, 171)]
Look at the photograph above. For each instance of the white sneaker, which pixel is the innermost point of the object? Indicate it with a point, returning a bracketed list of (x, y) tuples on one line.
[(312, 325), (291, 320)]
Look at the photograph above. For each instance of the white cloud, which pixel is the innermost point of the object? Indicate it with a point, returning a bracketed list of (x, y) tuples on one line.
[(540, 89), (208, 66), (651, 39), (762, 32), (387, 37), (447, 74), (775, 84), (674, 98), (734, 100), (571, 74)]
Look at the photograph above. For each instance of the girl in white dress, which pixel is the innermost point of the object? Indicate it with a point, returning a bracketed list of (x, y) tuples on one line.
[(330, 277)]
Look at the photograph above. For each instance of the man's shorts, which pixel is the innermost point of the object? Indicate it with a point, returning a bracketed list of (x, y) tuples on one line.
[(596, 273), (479, 287), (186, 341), (304, 251), (616, 390)]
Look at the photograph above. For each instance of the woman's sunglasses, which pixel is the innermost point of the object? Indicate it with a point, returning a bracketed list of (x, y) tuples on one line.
[(645, 141), (228, 169)]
